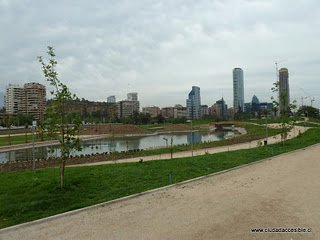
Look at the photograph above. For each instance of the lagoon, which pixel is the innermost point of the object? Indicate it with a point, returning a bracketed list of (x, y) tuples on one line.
[(118, 144)]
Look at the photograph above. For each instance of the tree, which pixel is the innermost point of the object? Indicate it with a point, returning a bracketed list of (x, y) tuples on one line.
[(308, 111), (278, 106), (8, 123), (275, 103), (56, 122), (160, 119)]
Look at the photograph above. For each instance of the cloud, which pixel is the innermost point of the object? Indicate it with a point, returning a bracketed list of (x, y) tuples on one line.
[(162, 48)]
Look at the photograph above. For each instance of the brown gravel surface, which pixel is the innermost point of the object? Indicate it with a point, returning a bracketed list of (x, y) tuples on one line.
[(283, 192)]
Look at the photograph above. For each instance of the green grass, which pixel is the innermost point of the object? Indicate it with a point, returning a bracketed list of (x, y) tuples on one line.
[(28, 195), (151, 126), (317, 120), (273, 120), (197, 122), (17, 139), (307, 124)]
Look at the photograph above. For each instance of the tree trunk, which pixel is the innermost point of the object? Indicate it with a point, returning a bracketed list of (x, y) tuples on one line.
[(9, 136), (26, 134), (62, 167)]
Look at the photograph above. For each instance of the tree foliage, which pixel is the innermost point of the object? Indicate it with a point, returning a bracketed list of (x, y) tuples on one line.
[(308, 111)]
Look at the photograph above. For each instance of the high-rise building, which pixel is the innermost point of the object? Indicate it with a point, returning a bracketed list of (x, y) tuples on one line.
[(256, 108), (284, 93), (35, 100), (132, 96), (255, 104), (29, 99), (2, 97), (179, 111), (14, 99), (238, 90), (126, 108), (111, 99), (194, 103), (204, 110), (221, 109), (153, 111), (167, 112)]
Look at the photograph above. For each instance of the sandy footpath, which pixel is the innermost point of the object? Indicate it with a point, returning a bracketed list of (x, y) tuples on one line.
[(283, 192)]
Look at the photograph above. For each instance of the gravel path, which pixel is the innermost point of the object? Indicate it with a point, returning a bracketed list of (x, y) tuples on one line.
[(282, 192)]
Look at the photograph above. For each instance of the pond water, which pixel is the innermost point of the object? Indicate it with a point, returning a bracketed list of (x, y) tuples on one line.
[(118, 144)]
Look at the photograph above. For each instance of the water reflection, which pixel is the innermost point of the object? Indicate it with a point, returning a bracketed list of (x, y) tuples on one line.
[(116, 144)]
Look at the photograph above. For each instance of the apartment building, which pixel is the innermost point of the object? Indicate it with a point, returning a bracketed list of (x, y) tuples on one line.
[(29, 99)]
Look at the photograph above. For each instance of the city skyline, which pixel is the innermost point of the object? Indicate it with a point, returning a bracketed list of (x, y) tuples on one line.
[(160, 49)]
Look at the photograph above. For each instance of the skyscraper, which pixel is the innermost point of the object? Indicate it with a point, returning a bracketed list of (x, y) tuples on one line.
[(238, 90), (194, 103), (2, 97), (284, 93)]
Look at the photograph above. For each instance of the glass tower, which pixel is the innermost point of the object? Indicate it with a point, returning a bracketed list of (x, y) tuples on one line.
[(238, 90), (194, 103)]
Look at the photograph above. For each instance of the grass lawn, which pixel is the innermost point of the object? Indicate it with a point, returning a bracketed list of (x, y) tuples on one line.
[(18, 139), (28, 195), (273, 120), (307, 124)]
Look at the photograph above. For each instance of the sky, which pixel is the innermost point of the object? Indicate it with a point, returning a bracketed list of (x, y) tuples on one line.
[(161, 48)]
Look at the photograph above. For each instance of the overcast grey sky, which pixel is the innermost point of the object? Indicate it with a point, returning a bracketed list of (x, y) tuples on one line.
[(161, 48)]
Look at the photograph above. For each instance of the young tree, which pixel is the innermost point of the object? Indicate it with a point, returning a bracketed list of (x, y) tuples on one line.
[(56, 122), (283, 112), (275, 103), (8, 123)]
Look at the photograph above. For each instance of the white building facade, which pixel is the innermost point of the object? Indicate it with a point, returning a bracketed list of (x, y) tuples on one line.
[(238, 90)]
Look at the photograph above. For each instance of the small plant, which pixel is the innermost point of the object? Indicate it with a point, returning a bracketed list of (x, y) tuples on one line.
[(299, 134)]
